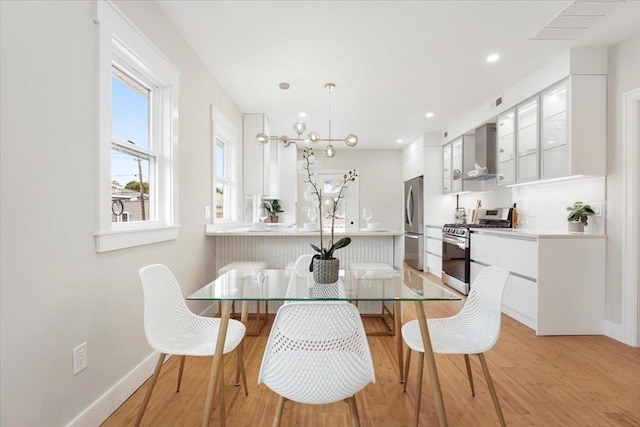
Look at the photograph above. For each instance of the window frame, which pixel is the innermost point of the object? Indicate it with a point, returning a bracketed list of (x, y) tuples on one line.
[(224, 179), (122, 45), (223, 130)]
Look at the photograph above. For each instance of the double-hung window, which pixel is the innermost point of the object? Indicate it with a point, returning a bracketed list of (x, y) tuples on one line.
[(225, 137), (222, 191), (138, 98)]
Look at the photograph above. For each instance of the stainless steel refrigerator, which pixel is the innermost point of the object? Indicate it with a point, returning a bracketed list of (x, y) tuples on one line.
[(413, 223)]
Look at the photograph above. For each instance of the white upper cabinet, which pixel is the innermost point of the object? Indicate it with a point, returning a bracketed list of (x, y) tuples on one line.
[(456, 165), (458, 158), (506, 140), (527, 139), (555, 133), (573, 131), (446, 169)]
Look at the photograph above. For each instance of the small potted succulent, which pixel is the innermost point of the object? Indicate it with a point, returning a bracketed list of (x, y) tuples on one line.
[(275, 210), (579, 213)]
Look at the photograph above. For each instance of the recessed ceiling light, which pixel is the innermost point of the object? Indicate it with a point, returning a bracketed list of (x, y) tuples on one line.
[(429, 115), (493, 57), (302, 114), (399, 141)]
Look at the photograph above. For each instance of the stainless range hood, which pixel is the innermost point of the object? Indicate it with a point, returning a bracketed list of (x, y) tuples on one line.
[(485, 154)]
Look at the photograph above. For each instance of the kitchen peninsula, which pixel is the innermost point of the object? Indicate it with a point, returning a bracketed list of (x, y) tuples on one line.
[(279, 247)]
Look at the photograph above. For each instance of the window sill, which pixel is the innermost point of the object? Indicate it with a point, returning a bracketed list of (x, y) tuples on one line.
[(122, 239)]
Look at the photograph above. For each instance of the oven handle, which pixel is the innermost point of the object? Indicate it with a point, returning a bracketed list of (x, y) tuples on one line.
[(461, 243)]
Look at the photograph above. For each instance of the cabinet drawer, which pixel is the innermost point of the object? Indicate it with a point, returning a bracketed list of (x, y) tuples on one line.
[(434, 246), (435, 232), (434, 264), (484, 248), (521, 298), (518, 256)]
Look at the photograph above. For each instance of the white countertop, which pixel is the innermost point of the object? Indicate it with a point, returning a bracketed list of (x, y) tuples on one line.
[(295, 232), (537, 234)]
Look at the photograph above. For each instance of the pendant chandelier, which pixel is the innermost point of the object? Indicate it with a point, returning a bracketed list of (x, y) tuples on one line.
[(313, 137)]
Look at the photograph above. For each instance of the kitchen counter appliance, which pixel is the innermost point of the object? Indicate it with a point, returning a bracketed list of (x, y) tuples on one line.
[(456, 252)]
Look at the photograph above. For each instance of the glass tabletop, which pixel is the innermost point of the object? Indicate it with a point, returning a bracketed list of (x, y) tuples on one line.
[(352, 285)]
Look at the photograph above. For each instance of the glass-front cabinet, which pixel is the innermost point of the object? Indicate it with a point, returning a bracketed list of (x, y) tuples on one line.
[(506, 148), (527, 140), (554, 131), (456, 165), (446, 168)]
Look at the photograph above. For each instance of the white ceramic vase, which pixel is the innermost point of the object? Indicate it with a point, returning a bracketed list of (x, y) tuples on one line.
[(576, 227)]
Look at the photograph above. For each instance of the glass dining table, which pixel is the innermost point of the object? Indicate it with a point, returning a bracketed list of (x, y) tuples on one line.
[(388, 286)]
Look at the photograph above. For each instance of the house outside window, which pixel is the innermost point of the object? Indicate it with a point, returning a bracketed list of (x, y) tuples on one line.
[(225, 143), (222, 181), (138, 120)]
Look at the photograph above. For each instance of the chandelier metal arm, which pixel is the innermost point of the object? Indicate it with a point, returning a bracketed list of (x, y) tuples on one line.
[(299, 127)]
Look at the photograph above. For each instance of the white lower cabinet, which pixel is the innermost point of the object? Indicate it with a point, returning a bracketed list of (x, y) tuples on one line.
[(556, 286), (433, 251)]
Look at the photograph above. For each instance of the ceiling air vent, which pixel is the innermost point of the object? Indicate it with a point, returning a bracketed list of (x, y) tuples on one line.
[(498, 101), (575, 19)]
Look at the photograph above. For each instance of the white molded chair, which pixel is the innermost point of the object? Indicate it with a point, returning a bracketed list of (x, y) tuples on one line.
[(473, 330), (317, 353), (171, 328)]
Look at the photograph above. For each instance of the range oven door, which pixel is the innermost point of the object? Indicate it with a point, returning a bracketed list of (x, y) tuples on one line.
[(456, 262)]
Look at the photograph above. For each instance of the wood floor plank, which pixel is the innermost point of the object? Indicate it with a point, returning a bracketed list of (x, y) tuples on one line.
[(541, 381)]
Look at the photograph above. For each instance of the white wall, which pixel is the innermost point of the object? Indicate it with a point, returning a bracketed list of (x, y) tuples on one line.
[(56, 290), (379, 178), (543, 206), (624, 76)]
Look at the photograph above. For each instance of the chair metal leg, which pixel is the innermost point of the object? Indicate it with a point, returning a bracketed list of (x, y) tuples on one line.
[(353, 409), (180, 373), (238, 364), (240, 368), (492, 389), (276, 420), (407, 364), (469, 374), (222, 405), (419, 389), (154, 378)]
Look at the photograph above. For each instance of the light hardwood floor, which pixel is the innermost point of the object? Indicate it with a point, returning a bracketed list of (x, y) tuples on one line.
[(541, 381)]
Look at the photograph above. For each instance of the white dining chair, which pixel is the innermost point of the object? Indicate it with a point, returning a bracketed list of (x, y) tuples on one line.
[(317, 353), (473, 330), (171, 328)]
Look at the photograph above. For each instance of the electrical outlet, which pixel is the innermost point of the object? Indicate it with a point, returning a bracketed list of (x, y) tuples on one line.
[(207, 212), (597, 208), (80, 360)]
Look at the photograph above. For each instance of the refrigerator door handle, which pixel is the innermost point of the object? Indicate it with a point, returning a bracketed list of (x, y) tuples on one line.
[(411, 236), (409, 206)]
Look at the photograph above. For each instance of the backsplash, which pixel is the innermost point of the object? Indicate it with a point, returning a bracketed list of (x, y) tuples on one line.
[(543, 206)]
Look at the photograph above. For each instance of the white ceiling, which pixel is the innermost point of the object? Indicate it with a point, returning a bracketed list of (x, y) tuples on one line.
[(391, 61)]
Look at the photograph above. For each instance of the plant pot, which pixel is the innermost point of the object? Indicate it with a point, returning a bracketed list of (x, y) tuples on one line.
[(576, 227), (326, 270), (274, 219)]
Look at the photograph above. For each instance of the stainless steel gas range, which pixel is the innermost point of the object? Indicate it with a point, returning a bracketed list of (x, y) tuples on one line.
[(456, 246)]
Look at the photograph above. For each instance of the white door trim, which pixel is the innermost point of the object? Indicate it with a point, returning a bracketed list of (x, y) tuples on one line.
[(631, 231)]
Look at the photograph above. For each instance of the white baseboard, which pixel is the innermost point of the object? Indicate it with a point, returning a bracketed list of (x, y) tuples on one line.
[(97, 412), (614, 330)]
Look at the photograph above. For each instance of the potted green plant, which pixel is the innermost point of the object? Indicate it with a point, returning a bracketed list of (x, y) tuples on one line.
[(324, 265), (275, 210), (579, 213)]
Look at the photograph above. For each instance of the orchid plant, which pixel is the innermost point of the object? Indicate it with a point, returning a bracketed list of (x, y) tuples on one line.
[(331, 201)]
